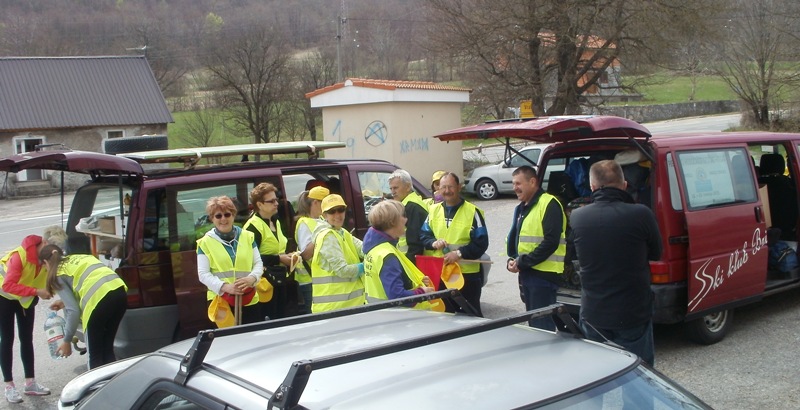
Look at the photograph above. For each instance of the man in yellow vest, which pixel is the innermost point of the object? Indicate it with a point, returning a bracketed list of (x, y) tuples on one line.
[(536, 244), (415, 211), (456, 230)]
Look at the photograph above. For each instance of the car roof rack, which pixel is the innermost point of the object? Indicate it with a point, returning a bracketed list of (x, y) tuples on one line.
[(288, 393), (189, 157)]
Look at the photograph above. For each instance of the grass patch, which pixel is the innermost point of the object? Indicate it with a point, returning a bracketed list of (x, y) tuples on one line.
[(670, 89)]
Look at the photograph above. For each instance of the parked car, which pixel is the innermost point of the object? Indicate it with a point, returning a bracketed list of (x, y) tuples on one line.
[(489, 181), (380, 357), (151, 242), (713, 205)]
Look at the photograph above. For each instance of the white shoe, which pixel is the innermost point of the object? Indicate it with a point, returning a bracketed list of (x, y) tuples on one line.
[(12, 395), (36, 389)]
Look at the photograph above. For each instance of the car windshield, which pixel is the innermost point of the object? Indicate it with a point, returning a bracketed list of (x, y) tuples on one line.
[(637, 389)]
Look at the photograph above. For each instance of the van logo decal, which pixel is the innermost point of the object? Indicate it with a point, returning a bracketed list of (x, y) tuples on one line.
[(736, 260)]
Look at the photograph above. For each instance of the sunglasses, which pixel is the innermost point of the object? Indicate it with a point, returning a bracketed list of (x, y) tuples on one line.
[(220, 216), (339, 210)]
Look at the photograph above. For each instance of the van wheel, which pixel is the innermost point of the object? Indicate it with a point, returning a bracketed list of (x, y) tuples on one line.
[(710, 329), (136, 144), (486, 189)]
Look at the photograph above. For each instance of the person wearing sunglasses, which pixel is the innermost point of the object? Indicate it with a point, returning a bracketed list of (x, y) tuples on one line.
[(272, 248), (336, 267), (228, 262)]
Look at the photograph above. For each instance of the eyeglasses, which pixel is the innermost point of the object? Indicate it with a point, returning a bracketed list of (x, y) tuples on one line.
[(271, 201), (338, 210), (226, 215)]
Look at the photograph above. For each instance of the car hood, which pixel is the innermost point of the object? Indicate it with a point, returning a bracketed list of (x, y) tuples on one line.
[(547, 130), (85, 162)]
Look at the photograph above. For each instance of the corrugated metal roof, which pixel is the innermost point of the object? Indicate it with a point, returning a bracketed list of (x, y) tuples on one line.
[(66, 92), (387, 85)]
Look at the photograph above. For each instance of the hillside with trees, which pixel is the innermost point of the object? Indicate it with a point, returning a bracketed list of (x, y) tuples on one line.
[(250, 62)]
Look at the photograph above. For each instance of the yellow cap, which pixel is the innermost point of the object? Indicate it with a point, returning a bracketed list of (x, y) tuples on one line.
[(220, 313), (264, 289), (319, 193), (438, 175), (452, 277), (332, 201)]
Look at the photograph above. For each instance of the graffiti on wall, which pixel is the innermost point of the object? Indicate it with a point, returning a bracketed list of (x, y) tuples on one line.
[(376, 133), (414, 145), (350, 142)]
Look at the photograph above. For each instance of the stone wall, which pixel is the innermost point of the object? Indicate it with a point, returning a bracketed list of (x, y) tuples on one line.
[(649, 113)]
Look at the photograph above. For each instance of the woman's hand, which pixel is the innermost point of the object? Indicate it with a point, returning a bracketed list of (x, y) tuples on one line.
[(243, 284), (428, 289), (426, 281), (64, 349), (43, 294), (57, 305), (230, 289)]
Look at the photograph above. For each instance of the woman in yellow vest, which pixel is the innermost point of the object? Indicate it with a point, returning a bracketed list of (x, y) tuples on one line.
[(389, 274), (271, 243), (435, 191), (309, 209), (92, 294), (336, 268), (228, 262), (23, 279)]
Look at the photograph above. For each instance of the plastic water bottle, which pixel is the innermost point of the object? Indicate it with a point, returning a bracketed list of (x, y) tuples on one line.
[(54, 332)]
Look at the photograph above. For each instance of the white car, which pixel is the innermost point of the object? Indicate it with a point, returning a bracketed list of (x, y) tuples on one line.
[(488, 181)]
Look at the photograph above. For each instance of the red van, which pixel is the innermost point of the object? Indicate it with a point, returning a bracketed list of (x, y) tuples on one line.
[(142, 213), (714, 195)]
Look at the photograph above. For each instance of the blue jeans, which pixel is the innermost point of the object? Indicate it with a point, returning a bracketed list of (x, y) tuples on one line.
[(637, 339), (538, 293)]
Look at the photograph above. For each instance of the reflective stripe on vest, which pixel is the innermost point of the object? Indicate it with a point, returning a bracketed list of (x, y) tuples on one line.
[(457, 234), (220, 261), (413, 197), (531, 235), (332, 292), (27, 277), (91, 282), (373, 264), (301, 274)]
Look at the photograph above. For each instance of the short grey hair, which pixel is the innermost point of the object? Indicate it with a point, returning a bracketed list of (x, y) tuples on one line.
[(403, 175), (55, 235)]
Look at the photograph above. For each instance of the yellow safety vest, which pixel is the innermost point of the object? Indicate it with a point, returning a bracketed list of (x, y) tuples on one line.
[(28, 276), (457, 234), (91, 282), (332, 292), (221, 264), (301, 274), (373, 263), (270, 244), (413, 197), (531, 235)]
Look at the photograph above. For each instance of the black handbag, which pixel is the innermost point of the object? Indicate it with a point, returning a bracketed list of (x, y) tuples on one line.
[(278, 275)]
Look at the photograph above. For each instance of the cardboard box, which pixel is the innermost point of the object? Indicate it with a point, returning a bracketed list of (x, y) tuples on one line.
[(107, 224), (764, 194)]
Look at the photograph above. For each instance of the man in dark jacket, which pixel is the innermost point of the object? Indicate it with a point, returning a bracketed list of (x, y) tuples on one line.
[(535, 245), (615, 239)]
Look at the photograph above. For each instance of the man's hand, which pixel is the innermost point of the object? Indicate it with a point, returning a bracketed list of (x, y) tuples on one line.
[(439, 244), (511, 265), (451, 257)]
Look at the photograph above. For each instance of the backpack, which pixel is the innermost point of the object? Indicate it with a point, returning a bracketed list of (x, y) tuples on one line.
[(782, 257)]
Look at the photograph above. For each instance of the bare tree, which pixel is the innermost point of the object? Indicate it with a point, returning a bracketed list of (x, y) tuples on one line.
[(555, 51), (312, 71), (760, 59), (249, 67)]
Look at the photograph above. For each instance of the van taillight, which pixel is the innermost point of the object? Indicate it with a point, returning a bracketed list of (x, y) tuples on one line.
[(659, 272)]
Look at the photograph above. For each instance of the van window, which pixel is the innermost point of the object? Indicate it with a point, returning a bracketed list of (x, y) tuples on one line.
[(374, 188), (190, 221), (674, 188), (716, 177)]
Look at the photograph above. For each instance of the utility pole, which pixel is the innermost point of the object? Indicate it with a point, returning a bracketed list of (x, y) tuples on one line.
[(341, 19)]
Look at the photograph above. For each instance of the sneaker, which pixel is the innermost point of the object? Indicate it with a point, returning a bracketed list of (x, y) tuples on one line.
[(12, 395), (36, 389)]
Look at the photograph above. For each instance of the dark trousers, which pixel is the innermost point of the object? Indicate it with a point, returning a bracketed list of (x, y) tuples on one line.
[(284, 302), (102, 327), (306, 295), (537, 293), (473, 283), (10, 309), (637, 339)]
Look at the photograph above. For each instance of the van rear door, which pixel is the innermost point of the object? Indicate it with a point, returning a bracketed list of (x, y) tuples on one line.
[(727, 231)]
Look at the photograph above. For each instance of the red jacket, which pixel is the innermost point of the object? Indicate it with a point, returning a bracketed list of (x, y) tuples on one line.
[(14, 267)]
